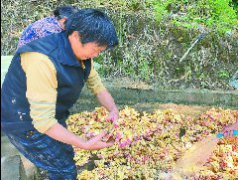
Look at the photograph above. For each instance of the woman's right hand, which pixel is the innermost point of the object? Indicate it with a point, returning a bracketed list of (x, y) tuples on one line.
[(60, 133), (96, 143)]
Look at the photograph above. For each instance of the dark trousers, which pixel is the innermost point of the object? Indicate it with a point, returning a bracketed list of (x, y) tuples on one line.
[(46, 153)]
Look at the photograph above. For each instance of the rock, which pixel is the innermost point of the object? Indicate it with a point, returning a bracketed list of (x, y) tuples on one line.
[(12, 168), (7, 151)]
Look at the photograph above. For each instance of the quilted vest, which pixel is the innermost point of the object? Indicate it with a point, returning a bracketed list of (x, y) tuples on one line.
[(71, 76)]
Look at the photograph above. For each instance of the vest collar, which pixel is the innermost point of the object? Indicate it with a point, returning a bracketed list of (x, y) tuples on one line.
[(47, 45)]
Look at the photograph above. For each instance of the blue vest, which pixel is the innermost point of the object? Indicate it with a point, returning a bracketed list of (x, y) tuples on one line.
[(71, 77)]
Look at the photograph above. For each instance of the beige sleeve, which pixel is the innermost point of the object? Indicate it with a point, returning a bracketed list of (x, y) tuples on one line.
[(41, 89), (94, 82)]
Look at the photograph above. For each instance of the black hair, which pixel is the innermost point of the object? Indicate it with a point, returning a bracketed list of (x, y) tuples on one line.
[(64, 11), (92, 26)]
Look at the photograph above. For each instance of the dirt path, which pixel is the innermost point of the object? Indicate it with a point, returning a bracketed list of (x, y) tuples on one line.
[(187, 110)]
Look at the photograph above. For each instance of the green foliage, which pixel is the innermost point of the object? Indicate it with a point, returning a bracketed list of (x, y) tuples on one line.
[(153, 36), (223, 74), (219, 14)]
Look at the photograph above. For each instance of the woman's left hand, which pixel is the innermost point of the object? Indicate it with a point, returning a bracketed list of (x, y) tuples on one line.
[(113, 117)]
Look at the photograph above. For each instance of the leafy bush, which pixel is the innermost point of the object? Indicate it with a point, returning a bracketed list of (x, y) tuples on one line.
[(218, 14), (153, 36)]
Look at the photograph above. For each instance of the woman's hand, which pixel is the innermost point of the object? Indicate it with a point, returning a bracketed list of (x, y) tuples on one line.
[(106, 100), (113, 117), (96, 143), (228, 131), (60, 133)]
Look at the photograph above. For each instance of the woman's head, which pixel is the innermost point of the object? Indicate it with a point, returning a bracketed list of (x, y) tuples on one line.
[(93, 29), (63, 12), (92, 26)]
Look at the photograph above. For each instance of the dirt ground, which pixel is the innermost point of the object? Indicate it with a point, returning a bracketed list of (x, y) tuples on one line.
[(193, 111)]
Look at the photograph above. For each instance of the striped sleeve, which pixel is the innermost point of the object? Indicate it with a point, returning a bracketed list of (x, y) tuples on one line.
[(41, 89)]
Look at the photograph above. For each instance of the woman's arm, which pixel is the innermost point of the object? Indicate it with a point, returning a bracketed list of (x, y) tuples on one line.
[(61, 134)]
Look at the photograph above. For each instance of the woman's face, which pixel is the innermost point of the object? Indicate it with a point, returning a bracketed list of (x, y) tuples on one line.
[(84, 51)]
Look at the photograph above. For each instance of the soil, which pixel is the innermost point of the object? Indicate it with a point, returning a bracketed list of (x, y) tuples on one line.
[(187, 110)]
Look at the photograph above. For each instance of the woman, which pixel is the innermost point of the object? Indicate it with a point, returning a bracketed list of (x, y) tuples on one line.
[(47, 26), (43, 82)]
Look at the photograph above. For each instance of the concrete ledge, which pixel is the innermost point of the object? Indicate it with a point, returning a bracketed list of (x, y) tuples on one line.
[(199, 97), (12, 168), (127, 96), (12, 155), (5, 62)]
